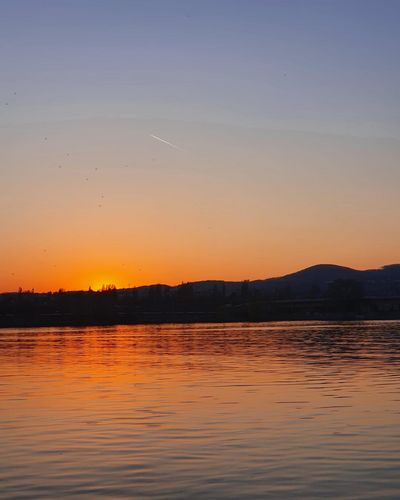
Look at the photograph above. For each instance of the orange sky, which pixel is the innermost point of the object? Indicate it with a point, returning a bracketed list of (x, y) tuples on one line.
[(232, 204)]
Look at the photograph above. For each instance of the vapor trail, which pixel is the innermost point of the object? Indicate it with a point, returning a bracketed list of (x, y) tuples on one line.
[(165, 142)]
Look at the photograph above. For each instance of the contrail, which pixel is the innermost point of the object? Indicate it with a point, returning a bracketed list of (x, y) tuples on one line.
[(165, 142)]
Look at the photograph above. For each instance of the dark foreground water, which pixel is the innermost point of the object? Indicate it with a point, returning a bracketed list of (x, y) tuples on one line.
[(283, 410)]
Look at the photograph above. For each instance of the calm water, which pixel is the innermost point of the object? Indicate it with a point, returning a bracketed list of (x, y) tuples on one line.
[(282, 410)]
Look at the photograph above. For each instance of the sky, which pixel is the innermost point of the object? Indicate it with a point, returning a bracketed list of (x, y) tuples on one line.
[(282, 129)]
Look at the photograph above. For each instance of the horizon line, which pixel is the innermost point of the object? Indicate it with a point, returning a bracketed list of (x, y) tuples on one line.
[(105, 285)]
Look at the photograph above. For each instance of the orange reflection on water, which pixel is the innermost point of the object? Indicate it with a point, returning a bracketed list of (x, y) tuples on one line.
[(183, 403)]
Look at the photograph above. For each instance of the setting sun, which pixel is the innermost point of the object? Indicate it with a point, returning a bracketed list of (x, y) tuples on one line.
[(104, 281)]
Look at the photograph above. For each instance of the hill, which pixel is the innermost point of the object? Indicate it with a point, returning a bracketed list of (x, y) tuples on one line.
[(314, 280)]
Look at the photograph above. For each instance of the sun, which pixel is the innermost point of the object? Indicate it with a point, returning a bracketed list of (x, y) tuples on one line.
[(102, 282)]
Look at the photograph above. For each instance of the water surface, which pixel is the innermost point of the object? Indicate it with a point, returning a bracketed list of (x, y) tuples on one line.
[(278, 410)]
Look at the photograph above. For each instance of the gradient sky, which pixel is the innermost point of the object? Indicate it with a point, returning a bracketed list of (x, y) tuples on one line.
[(286, 115)]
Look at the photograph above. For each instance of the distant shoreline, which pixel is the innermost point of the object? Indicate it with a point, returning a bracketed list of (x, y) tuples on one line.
[(323, 292), (183, 318)]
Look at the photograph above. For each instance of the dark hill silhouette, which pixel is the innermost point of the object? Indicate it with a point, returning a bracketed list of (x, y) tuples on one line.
[(319, 275), (327, 272), (323, 291), (381, 282)]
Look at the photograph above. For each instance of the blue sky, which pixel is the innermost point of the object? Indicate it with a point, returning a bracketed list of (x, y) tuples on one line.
[(318, 65)]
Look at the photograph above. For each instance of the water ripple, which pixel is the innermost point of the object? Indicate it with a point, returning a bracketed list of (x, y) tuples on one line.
[(278, 410)]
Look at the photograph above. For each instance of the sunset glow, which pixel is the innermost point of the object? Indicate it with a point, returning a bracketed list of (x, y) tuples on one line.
[(274, 165)]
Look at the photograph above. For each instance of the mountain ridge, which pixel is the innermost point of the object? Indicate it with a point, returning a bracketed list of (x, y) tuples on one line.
[(380, 281)]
